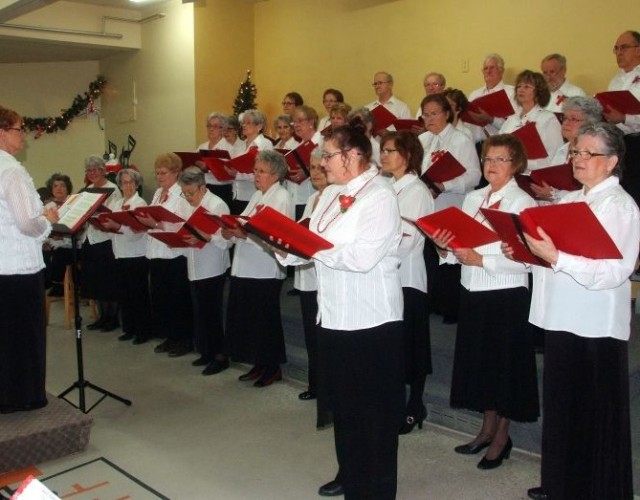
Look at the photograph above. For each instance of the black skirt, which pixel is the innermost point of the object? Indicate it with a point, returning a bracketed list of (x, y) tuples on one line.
[(22, 342), (586, 436), (99, 272), (494, 367), (417, 335), (254, 324)]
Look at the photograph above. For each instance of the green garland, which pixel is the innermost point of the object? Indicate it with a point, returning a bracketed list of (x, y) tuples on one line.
[(50, 124)]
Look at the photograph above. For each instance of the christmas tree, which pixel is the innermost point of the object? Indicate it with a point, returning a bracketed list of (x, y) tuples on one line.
[(246, 98)]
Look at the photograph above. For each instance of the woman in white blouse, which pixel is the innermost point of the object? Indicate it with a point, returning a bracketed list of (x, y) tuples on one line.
[(254, 323), (284, 131), (360, 348), (216, 125), (583, 306), (130, 248), (494, 368), (401, 156), (532, 95), (207, 267), (253, 122), (330, 97)]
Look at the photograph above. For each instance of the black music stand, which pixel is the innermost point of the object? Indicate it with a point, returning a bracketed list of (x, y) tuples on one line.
[(81, 384)]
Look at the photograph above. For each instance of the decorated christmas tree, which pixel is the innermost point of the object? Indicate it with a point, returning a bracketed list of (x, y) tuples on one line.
[(246, 98)]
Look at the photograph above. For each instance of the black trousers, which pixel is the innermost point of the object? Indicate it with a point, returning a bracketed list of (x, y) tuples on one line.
[(206, 296), (135, 302), (309, 308)]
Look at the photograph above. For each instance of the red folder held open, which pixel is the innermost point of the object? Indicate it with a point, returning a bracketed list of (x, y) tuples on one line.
[(217, 167), (468, 232), (531, 140), (125, 218), (158, 212), (383, 118), (407, 124), (189, 158), (444, 169), (496, 104), (557, 176), (244, 163), (299, 159), (620, 100)]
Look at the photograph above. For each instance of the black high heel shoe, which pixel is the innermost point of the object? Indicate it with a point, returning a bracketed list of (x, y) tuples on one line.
[(486, 464), (413, 419), (472, 449)]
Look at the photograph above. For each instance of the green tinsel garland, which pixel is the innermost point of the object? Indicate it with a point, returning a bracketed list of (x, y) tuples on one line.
[(50, 124)]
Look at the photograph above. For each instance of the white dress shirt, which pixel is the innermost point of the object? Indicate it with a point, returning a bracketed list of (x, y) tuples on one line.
[(243, 187), (128, 243), (358, 279), (93, 234), (589, 297), (415, 201), (548, 127), (492, 128), (463, 150), (175, 203), (497, 272), (23, 228), (213, 258), (393, 104), (628, 81), (565, 90), (251, 259), (301, 192), (223, 145)]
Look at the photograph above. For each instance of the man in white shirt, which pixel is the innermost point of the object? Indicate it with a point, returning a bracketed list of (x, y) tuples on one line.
[(554, 70), (492, 72), (383, 87), (434, 83), (627, 52)]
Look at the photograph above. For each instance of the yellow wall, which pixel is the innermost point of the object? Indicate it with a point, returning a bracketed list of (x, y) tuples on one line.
[(224, 48), (310, 45)]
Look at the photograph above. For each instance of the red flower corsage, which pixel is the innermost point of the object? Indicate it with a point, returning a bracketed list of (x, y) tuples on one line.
[(345, 202), (560, 99)]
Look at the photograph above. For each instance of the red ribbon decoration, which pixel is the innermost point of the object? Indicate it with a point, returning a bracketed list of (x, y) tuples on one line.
[(345, 202)]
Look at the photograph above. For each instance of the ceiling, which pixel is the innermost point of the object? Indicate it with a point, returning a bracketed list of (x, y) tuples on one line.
[(21, 50)]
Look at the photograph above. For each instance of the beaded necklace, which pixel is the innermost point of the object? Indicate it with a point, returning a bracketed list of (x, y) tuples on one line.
[(341, 211)]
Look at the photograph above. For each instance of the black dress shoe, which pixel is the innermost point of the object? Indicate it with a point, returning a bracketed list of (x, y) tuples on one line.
[(449, 320), (268, 377), (180, 350), (201, 361), (293, 292), (486, 464), (216, 366), (412, 419), (126, 336), (537, 493), (139, 339), (470, 449), (307, 395), (165, 346), (110, 326), (331, 489), (96, 324), (254, 373)]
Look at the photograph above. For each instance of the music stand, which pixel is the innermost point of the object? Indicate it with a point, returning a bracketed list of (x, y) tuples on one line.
[(81, 383)]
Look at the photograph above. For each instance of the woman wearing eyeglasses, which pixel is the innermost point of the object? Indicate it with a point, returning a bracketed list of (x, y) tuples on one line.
[(532, 94), (583, 306), (494, 367), (360, 348), (24, 225), (216, 125)]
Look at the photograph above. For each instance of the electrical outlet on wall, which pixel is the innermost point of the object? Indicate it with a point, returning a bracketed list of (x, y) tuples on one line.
[(465, 65)]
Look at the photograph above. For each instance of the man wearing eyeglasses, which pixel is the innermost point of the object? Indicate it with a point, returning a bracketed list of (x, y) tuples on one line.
[(627, 52), (554, 69), (434, 83), (383, 87)]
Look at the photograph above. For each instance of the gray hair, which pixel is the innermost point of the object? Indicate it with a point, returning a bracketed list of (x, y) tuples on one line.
[(134, 174), (556, 57), (95, 161), (497, 58), (192, 176), (276, 161), (219, 116), (232, 121), (364, 113), (588, 106), (255, 116), (613, 140), (282, 118), (440, 76), (316, 153), (389, 76)]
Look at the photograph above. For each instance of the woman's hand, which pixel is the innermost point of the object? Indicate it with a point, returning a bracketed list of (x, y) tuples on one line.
[(148, 221), (231, 171), (298, 177), (544, 248), (468, 257), (238, 232), (441, 238), (110, 224), (51, 214), (544, 192), (507, 251), (481, 117)]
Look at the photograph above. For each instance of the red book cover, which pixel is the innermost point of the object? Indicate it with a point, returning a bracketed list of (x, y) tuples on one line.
[(557, 176), (176, 239), (445, 168), (383, 117), (573, 228), (299, 159), (524, 183), (244, 163), (406, 124), (202, 221), (221, 154), (227, 221), (125, 218), (530, 137), (78, 207), (217, 167), (189, 158), (97, 223), (468, 232), (620, 100), (496, 104), (158, 212), (270, 225)]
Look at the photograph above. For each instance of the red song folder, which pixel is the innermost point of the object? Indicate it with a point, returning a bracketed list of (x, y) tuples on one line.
[(557, 176), (620, 100), (158, 212), (221, 154), (572, 227), (524, 183), (531, 140), (270, 226), (125, 218), (496, 104), (299, 159), (189, 158), (468, 232), (78, 207), (217, 167), (407, 124), (383, 117), (445, 168), (244, 163), (97, 223), (176, 239)]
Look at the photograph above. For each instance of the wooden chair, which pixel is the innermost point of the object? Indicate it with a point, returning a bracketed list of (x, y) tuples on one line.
[(67, 299)]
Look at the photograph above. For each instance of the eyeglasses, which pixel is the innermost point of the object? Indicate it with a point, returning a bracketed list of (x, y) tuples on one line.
[(498, 159), (22, 130), (583, 154), (288, 103), (377, 83), (570, 119), (189, 196), (328, 156), (214, 126), (432, 84), (387, 151), (623, 47)]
